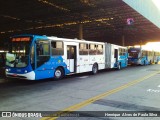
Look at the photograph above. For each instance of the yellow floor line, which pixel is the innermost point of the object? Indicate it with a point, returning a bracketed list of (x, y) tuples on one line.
[(98, 97)]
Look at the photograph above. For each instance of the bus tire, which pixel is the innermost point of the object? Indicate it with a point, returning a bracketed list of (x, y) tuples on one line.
[(118, 66), (94, 68), (59, 73)]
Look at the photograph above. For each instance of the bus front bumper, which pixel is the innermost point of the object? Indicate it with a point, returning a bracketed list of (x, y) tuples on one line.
[(28, 76)]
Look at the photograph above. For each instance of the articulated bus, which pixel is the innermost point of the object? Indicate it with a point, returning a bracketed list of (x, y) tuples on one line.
[(140, 56), (35, 57)]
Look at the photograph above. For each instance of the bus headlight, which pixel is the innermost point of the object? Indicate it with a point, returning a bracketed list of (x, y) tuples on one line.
[(25, 71), (7, 70)]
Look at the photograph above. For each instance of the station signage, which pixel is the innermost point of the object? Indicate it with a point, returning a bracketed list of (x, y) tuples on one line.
[(130, 21)]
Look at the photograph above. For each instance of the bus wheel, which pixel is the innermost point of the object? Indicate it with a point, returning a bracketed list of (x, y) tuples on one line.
[(95, 69), (59, 73)]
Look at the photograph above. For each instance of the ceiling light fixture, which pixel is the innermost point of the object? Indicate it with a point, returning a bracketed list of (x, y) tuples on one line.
[(54, 5)]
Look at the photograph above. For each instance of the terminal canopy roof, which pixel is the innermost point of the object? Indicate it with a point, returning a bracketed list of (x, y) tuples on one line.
[(101, 20)]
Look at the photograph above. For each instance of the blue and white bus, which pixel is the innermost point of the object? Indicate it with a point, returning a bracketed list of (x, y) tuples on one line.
[(36, 57), (140, 56)]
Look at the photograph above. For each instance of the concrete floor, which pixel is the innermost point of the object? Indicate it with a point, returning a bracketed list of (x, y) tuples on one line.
[(136, 88)]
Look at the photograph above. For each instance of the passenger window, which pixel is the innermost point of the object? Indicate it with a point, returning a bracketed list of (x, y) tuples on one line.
[(122, 51), (92, 49), (83, 49), (57, 48), (99, 49)]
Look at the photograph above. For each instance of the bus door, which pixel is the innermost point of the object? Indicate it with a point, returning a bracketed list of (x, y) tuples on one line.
[(42, 56), (116, 55), (71, 58)]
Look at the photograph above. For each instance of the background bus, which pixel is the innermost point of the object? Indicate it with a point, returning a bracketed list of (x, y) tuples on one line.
[(140, 56), (36, 57)]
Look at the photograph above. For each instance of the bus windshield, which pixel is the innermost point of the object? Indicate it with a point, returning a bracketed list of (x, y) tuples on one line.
[(19, 53), (133, 53)]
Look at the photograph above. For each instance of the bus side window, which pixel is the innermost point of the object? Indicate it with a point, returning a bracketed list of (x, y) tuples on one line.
[(57, 48), (92, 49), (83, 49), (81, 46), (99, 49)]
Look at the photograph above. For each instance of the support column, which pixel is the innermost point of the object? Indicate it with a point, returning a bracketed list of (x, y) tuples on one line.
[(141, 44), (80, 31), (123, 40)]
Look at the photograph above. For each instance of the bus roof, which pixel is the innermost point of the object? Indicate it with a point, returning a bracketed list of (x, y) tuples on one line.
[(57, 38), (73, 40)]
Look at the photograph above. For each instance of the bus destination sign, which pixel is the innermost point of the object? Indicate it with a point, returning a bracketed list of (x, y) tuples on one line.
[(21, 39)]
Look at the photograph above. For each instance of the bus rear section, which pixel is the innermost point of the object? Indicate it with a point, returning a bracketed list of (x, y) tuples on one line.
[(116, 56)]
